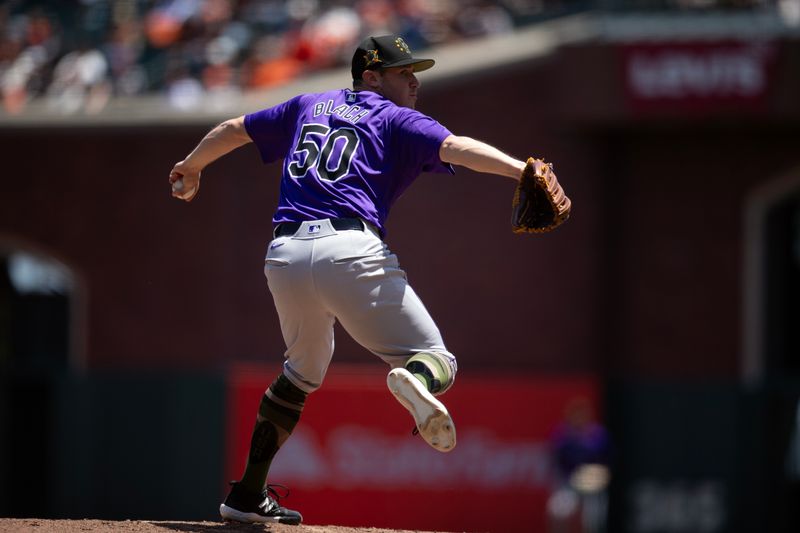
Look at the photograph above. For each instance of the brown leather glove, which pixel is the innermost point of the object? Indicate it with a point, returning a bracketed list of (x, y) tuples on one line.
[(539, 204)]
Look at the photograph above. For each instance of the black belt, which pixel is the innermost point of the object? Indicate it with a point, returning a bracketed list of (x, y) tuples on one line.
[(340, 224)]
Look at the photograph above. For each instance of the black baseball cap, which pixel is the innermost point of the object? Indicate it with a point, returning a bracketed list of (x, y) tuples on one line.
[(385, 51)]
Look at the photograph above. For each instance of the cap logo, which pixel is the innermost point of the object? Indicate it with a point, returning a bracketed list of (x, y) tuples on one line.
[(401, 44), (371, 57)]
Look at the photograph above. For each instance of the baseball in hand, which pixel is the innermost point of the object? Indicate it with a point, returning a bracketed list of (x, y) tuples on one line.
[(179, 189)]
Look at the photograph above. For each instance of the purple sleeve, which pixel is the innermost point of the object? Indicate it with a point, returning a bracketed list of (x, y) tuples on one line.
[(422, 138), (272, 129)]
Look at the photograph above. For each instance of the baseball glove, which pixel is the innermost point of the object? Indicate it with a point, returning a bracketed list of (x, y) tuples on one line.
[(539, 204)]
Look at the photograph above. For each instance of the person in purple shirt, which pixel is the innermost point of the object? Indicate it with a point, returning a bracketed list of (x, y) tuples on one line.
[(581, 448), (347, 156)]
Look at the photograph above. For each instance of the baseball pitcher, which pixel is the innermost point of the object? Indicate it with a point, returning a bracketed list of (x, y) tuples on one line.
[(348, 154)]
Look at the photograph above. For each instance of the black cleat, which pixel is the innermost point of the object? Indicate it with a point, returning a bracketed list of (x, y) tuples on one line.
[(243, 505)]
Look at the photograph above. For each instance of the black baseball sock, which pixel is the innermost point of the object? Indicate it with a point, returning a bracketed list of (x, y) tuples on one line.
[(278, 414)]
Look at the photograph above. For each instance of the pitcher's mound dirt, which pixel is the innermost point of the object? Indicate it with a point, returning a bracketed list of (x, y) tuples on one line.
[(36, 525)]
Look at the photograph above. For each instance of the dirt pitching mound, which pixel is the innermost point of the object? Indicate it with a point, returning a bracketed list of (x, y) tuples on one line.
[(35, 525)]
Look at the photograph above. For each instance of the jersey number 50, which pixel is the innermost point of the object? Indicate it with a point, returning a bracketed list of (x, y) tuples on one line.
[(316, 147)]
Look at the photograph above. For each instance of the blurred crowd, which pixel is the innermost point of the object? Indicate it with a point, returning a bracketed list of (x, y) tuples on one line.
[(75, 55)]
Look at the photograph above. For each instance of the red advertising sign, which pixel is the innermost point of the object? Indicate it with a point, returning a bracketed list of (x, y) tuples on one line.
[(353, 461), (698, 77)]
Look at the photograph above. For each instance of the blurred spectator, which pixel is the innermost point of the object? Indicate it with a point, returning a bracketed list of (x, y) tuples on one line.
[(790, 11), (581, 451), (376, 16), (80, 81), (28, 43), (327, 39), (123, 50), (270, 62), (184, 92), (483, 18), (218, 74)]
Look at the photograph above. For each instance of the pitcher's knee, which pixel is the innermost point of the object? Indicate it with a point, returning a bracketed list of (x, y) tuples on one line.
[(436, 369), (307, 382)]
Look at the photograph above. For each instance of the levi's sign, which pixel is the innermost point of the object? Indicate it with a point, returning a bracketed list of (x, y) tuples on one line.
[(697, 77)]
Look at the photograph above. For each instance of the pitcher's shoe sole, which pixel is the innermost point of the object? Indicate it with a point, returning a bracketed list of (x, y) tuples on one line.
[(431, 416)]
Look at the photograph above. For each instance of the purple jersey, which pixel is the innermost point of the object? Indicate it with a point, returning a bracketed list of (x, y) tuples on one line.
[(346, 153)]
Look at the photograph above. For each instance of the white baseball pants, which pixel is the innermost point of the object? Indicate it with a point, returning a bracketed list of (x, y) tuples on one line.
[(319, 275)]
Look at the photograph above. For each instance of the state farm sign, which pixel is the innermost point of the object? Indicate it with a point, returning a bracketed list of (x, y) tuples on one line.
[(697, 77), (353, 461)]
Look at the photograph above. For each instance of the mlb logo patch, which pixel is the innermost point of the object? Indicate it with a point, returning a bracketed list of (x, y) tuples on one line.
[(313, 228), (351, 97)]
